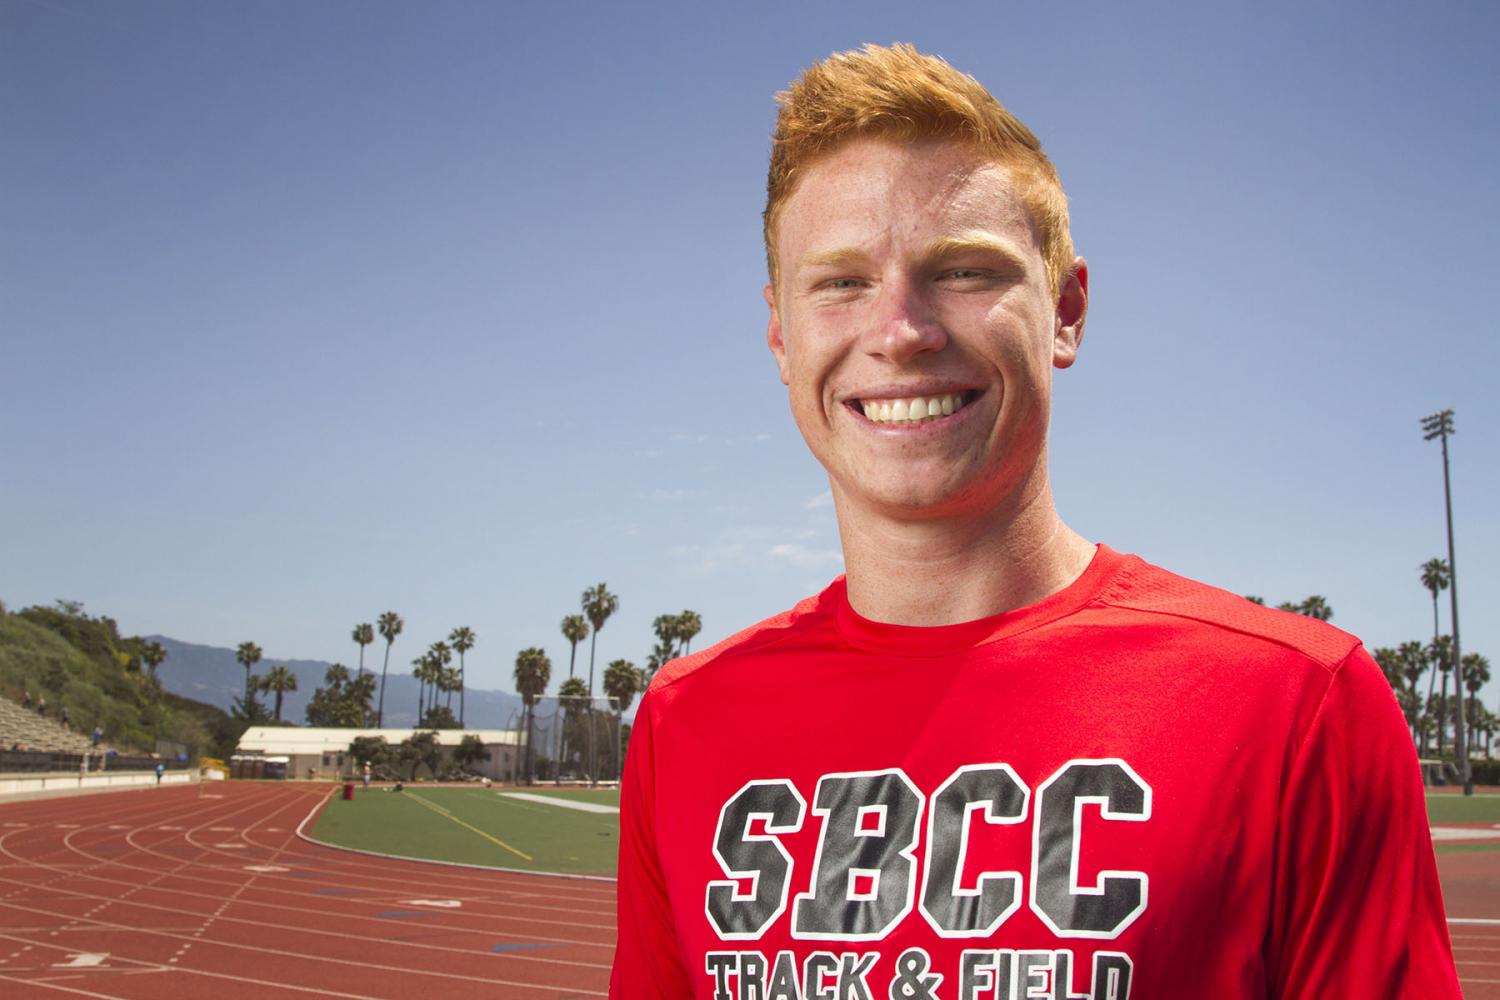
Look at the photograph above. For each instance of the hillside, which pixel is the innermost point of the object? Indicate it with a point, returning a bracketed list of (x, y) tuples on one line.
[(211, 674), (84, 664)]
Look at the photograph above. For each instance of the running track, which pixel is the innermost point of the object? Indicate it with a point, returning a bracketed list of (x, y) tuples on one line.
[(206, 891)]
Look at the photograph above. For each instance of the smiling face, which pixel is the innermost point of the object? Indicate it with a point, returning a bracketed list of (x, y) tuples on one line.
[(915, 330)]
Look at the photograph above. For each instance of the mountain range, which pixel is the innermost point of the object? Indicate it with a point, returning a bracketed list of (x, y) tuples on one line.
[(211, 674)]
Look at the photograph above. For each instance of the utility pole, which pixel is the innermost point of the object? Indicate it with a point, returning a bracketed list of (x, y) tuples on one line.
[(1440, 425)]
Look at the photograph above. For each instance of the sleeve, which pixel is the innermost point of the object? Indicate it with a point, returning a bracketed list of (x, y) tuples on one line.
[(1357, 908), (648, 959)]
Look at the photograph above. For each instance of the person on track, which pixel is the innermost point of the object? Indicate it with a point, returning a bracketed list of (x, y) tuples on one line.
[(995, 758)]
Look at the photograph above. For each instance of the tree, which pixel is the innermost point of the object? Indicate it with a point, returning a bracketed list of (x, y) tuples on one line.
[(533, 671), (573, 698), (689, 624), (439, 717), (390, 626), (598, 605), (622, 681), (363, 635), (667, 630), (280, 680), (1255, 600), (418, 749), (343, 701), (1441, 652), (470, 751), (1390, 664), (1414, 663), (463, 639), (1476, 676), (153, 653), (421, 671), (575, 629), (1315, 606), (249, 655), (440, 654), (372, 750), (1435, 579)]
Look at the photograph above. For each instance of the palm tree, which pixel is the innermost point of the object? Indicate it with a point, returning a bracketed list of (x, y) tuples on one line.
[(689, 624), (621, 683), (1435, 578), (533, 671), (153, 653), (1414, 663), (598, 605), (1476, 676), (280, 680), (463, 639), (439, 655), (364, 634), (668, 629), (249, 655), (574, 629), (1442, 659), (390, 626), (572, 696), (1316, 606), (421, 670)]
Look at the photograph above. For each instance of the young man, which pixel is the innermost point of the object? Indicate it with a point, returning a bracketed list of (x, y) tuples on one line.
[(995, 760)]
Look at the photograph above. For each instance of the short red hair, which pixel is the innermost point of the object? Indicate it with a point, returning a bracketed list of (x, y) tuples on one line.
[(900, 95)]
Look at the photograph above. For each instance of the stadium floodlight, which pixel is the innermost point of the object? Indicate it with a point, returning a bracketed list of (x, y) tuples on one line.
[(1439, 425)]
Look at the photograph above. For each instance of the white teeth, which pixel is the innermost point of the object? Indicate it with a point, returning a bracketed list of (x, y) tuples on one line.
[(914, 410)]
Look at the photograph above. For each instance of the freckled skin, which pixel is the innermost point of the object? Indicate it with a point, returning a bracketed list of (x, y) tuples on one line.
[(889, 314)]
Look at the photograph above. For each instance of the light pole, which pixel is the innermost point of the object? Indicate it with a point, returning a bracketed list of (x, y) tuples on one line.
[(1440, 425)]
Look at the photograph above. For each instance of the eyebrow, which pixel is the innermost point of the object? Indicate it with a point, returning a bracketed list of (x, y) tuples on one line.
[(831, 258), (974, 242)]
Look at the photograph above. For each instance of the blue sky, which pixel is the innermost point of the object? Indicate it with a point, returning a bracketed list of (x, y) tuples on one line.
[(311, 311)]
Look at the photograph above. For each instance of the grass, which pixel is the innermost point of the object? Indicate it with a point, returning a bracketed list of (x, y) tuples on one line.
[(483, 827), (1445, 809), (478, 826), (1449, 808)]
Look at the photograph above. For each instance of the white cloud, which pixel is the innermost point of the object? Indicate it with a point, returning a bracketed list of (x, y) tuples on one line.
[(824, 499), (803, 557)]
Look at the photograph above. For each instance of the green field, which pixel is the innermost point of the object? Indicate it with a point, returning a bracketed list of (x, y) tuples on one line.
[(478, 826), (1450, 809), (487, 827)]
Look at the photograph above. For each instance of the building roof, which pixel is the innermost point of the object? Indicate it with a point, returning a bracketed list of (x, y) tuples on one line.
[(302, 739)]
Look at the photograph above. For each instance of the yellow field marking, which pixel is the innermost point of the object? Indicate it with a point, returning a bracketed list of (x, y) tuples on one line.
[(474, 829)]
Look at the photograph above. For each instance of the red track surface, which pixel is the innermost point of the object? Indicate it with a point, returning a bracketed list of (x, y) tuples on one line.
[(160, 888), (163, 883)]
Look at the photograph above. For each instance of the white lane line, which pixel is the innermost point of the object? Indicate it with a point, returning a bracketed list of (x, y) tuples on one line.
[(548, 800)]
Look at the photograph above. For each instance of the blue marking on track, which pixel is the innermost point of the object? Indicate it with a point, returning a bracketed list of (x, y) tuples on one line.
[(340, 892), (405, 913), (521, 947)]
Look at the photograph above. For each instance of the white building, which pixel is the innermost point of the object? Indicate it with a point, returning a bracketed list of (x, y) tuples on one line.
[(324, 753)]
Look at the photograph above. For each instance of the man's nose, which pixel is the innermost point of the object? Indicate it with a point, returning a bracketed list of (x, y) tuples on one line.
[(904, 325)]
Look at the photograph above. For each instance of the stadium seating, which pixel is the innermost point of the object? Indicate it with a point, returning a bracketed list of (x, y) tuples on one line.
[(37, 732)]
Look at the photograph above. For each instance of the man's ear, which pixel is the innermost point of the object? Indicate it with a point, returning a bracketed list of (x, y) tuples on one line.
[(1072, 308), (773, 334)]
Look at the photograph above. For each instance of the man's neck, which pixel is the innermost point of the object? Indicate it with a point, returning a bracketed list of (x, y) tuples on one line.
[(945, 571)]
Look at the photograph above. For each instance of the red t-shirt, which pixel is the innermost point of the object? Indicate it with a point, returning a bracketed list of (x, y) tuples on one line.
[(1140, 787)]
